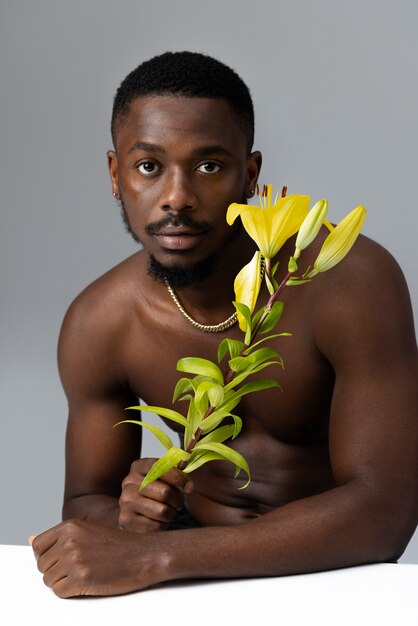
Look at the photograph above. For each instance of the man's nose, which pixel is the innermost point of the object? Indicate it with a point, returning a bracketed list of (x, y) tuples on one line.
[(177, 193)]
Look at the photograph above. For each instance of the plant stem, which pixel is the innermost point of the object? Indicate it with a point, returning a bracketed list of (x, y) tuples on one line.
[(230, 374), (273, 298)]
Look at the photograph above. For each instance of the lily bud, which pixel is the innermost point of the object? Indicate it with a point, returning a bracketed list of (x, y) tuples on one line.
[(339, 242), (311, 226)]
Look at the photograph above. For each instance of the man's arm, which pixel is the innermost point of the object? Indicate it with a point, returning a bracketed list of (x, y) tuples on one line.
[(365, 330), (98, 456), (103, 472)]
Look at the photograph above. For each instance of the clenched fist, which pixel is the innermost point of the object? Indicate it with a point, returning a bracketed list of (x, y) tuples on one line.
[(154, 507), (78, 558)]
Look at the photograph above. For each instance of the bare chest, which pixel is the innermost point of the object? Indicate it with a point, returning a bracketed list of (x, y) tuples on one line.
[(296, 413)]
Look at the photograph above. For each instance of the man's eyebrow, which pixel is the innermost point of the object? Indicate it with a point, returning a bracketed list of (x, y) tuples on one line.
[(147, 147), (209, 150), (198, 152)]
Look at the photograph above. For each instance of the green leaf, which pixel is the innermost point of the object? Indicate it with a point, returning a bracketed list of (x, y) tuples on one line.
[(163, 465), (244, 310), (216, 395), (212, 421), (199, 458), (274, 270), (194, 417), (220, 434), (292, 266), (201, 396), (262, 354), (160, 434), (233, 346), (196, 380), (237, 425), (169, 414), (272, 284), (257, 316), (243, 375), (222, 349), (257, 343), (230, 403), (183, 386), (196, 365), (240, 363), (257, 385), (187, 396), (297, 281), (272, 318), (228, 455)]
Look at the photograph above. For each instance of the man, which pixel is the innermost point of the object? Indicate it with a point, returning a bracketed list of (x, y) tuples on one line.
[(333, 458)]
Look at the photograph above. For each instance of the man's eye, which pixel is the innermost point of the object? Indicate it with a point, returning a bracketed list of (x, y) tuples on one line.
[(147, 167), (209, 168)]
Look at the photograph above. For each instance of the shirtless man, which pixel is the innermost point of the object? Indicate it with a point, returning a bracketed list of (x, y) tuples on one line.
[(333, 457)]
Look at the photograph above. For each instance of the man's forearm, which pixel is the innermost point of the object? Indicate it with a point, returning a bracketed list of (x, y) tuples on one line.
[(334, 529), (98, 508), (342, 527)]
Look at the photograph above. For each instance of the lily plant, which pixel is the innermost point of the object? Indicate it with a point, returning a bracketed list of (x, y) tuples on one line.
[(210, 396)]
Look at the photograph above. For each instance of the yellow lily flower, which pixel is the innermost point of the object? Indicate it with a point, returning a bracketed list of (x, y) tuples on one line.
[(339, 242), (270, 225), (311, 226), (247, 286)]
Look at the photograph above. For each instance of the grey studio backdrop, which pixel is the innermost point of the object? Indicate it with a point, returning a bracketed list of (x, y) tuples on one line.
[(336, 99)]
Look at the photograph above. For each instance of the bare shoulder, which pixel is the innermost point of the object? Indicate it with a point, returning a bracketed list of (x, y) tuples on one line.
[(364, 301), (367, 263), (95, 323)]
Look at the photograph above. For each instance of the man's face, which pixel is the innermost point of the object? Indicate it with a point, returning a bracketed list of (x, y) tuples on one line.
[(179, 163)]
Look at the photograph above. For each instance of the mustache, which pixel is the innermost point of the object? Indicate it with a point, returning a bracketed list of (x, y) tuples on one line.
[(177, 221)]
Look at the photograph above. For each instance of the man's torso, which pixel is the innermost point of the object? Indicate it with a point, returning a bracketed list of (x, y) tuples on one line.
[(285, 433)]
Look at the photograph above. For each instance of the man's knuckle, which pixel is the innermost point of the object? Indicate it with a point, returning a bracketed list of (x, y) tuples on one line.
[(126, 481), (165, 491), (84, 574), (40, 564), (70, 527), (125, 498), (178, 478), (166, 513), (75, 555), (125, 518)]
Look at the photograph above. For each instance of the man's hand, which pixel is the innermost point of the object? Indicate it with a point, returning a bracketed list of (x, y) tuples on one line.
[(78, 558), (154, 507)]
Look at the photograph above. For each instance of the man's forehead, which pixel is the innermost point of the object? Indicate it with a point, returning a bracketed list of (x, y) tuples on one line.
[(159, 118)]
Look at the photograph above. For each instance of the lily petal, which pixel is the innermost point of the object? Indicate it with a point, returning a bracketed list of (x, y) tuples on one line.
[(271, 225), (247, 286), (284, 220), (234, 211)]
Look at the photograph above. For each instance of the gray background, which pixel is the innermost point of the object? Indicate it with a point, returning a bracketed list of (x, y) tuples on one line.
[(336, 98)]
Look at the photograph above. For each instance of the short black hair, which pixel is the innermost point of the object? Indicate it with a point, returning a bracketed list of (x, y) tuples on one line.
[(187, 74)]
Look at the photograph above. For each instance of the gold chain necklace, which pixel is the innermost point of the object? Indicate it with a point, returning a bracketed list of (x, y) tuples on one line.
[(207, 328)]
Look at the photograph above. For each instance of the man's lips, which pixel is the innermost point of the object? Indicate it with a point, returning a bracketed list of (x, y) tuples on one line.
[(174, 238)]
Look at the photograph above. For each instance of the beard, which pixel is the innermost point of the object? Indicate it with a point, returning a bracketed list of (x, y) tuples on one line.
[(183, 274)]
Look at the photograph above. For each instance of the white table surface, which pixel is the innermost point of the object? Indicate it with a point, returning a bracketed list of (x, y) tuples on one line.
[(369, 595)]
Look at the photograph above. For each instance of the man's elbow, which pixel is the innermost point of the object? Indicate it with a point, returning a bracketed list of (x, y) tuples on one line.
[(393, 523)]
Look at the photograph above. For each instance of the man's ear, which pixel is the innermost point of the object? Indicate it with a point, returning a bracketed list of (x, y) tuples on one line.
[(112, 163), (254, 162)]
